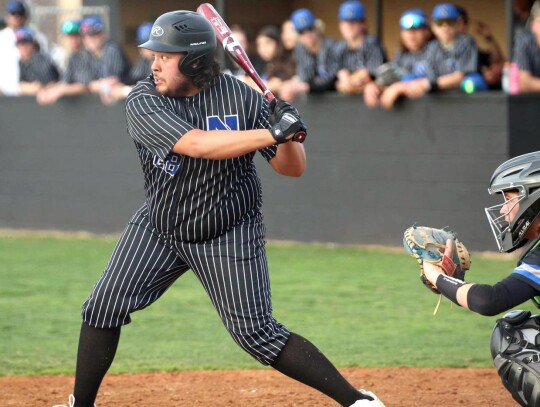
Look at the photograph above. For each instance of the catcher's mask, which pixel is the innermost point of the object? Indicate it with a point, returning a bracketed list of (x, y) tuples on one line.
[(521, 174), (186, 32), (515, 348)]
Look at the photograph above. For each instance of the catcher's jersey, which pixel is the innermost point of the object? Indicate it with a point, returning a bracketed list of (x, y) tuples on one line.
[(528, 268), (369, 56), (461, 57), (527, 54), (195, 199)]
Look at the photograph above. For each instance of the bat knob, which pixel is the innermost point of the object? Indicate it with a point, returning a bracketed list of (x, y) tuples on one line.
[(300, 137)]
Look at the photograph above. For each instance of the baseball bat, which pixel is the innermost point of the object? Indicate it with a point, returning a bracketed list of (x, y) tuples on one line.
[(237, 53)]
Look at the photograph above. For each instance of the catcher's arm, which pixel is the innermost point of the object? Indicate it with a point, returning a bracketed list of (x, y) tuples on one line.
[(449, 287)]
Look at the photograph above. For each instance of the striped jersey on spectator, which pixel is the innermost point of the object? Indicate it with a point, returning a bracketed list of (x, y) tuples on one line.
[(191, 199), (319, 70), (527, 54), (111, 62), (369, 56), (39, 68), (141, 69), (413, 63), (462, 56), (77, 70)]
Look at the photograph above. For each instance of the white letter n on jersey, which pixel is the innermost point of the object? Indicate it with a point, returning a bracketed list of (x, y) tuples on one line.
[(215, 123)]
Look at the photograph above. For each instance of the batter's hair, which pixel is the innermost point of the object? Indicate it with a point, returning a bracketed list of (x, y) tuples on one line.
[(206, 77)]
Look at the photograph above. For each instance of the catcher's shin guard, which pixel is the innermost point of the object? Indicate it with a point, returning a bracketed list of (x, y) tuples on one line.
[(515, 348)]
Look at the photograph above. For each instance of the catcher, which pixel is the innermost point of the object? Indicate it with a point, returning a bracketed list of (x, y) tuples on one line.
[(515, 341)]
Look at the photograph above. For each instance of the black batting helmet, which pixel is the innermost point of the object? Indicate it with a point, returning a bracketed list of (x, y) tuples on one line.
[(187, 32)]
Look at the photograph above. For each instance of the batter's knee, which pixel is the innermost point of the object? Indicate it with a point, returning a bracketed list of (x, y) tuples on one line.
[(105, 309), (262, 343)]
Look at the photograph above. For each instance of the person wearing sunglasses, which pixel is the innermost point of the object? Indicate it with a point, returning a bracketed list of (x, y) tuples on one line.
[(315, 56), (450, 57), (409, 61)]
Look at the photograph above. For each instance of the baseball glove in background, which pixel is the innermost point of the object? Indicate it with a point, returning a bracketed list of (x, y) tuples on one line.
[(428, 244)]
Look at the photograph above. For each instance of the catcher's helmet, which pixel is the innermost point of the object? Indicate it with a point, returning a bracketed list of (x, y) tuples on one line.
[(187, 32), (522, 174)]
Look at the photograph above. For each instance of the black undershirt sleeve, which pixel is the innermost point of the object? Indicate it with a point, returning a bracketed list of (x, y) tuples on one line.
[(492, 300)]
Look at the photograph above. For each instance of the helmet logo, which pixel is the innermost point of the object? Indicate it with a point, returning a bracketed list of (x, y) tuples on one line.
[(157, 31)]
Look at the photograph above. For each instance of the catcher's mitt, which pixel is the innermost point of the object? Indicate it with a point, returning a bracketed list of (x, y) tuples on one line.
[(428, 244)]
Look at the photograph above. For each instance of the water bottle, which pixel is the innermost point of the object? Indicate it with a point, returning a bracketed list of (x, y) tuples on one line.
[(513, 82), (505, 81)]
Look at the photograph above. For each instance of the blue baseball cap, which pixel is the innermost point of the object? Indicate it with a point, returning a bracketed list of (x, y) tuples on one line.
[(143, 32), (351, 11), (445, 11), (24, 34), (303, 19), (91, 25), (16, 7), (413, 18)]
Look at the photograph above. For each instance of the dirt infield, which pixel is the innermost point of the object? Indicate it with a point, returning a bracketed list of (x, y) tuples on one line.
[(396, 386)]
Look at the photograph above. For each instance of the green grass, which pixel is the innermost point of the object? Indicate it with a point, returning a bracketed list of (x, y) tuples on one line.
[(361, 307)]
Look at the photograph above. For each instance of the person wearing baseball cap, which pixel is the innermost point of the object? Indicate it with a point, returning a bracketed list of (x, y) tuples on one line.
[(77, 74), (14, 18), (409, 61), (109, 63), (36, 69), (359, 54), (527, 53), (315, 58)]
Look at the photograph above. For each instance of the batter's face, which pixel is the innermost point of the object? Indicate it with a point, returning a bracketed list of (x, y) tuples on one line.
[(169, 81)]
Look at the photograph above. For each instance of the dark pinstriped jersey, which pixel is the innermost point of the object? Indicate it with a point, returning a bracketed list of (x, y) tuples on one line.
[(321, 65), (195, 199), (412, 63), (369, 56), (141, 69), (39, 68), (461, 57), (112, 62), (77, 68), (527, 54)]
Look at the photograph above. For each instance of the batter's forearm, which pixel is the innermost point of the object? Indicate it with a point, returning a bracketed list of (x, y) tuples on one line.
[(222, 144), (290, 159)]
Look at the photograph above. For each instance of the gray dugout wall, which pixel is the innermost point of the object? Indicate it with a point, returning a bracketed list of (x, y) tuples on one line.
[(371, 173)]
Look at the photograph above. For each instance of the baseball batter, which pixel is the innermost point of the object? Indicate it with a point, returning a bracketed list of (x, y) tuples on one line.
[(196, 132)]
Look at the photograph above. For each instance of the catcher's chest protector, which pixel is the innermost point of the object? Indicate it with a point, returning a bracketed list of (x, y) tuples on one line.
[(515, 348), (529, 248)]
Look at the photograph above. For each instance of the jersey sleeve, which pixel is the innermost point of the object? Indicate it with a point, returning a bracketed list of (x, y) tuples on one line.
[(152, 123), (522, 52), (263, 122), (467, 55)]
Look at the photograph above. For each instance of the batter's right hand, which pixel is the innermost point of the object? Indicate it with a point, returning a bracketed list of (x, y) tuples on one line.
[(290, 126), (278, 108)]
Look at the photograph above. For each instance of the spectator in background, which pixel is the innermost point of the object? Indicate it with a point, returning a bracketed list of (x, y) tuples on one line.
[(231, 66), (289, 36), (141, 69), (280, 64), (491, 60), (527, 53), (450, 57), (15, 17), (409, 62), (315, 56), (359, 54), (109, 65), (521, 12), (36, 69), (77, 75)]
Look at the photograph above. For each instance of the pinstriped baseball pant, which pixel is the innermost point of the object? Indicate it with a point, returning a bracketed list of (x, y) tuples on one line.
[(232, 269)]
